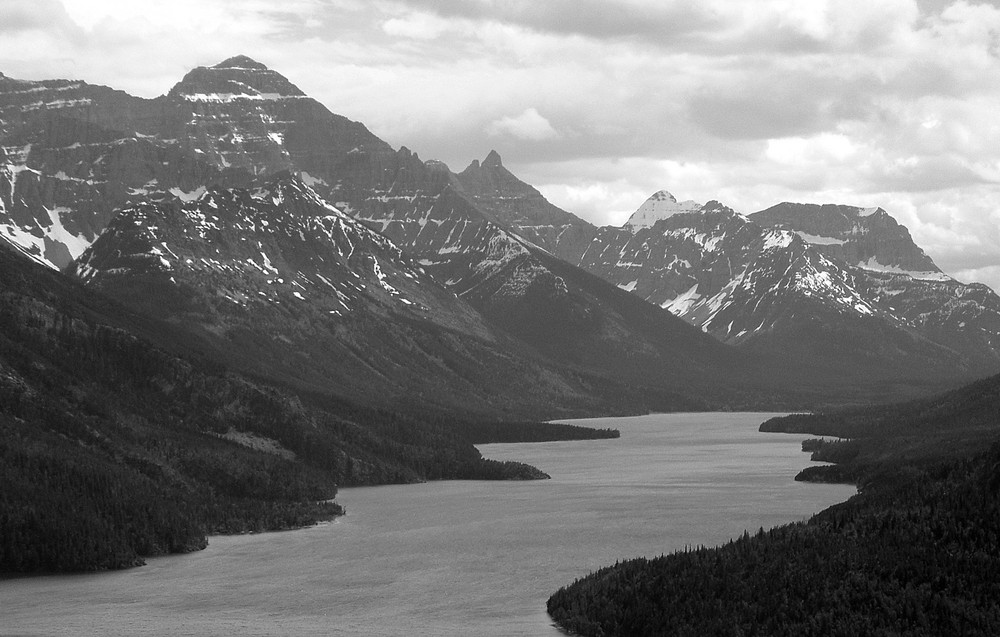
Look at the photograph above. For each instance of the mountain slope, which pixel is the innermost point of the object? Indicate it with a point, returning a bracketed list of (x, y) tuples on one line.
[(286, 286), (117, 440), (843, 288), (897, 277), (72, 153), (516, 205), (231, 125)]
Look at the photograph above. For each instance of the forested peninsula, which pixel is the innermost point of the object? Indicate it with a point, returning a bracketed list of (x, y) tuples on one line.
[(915, 552)]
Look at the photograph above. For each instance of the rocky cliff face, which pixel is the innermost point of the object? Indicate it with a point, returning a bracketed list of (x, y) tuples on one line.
[(865, 237), (519, 206)]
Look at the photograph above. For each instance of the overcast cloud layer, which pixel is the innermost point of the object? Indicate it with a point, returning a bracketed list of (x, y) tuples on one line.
[(599, 103)]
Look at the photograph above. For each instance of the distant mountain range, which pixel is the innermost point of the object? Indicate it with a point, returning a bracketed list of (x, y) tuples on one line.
[(294, 244), (845, 287)]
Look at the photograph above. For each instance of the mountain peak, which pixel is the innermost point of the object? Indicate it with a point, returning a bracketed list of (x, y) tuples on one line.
[(493, 160), (236, 78), (241, 62), (660, 205), (662, 195), (869, 238)]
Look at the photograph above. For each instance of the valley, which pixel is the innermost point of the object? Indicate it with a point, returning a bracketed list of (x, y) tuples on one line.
[(222, 306)]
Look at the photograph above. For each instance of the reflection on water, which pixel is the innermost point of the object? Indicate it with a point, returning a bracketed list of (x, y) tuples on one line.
[(453, 558)]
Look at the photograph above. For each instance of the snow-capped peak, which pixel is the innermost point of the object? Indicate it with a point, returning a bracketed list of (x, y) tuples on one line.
[(660, 205)]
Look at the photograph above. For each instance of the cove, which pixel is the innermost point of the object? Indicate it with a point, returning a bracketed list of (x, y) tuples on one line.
[(454, 558)]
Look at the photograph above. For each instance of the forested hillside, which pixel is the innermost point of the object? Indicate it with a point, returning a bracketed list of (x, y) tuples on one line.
[(112, 448), (916, 552)]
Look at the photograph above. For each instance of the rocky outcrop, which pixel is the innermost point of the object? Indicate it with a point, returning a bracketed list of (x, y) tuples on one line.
[(866, 237)]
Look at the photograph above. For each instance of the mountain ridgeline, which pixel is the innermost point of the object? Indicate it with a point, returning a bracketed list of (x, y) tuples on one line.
[(843, 287), (825, 304)]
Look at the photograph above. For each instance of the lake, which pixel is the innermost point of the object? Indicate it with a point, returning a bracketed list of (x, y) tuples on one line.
[(453, 558)]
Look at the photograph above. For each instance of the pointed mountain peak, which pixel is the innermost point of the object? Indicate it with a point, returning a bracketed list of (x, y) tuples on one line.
[(660, 205), (715, 206), (241, 62), (492, 160), (237, 78)]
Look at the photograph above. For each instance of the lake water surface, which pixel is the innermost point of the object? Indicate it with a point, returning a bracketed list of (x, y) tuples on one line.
[(453, 558)]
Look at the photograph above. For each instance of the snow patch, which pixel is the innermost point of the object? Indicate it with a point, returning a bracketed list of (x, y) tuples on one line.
[(819, 240), (681, 303), (777, 239), (872, 265), (311, 181), (660, 205), (187, 197)]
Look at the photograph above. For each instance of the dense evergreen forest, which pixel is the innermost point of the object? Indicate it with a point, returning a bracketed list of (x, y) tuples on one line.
[(113, 448), (915, 552)]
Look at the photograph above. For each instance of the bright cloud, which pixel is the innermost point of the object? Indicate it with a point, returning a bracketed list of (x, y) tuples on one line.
[(529, 125)]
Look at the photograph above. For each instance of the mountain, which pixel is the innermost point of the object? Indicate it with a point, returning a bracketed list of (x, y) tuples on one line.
[(519, 206), (842, 287), (471, 231), (73, 153), (897, 276), (660, 205), (284, 285), (77, 154), (84, 161), (865, 237)]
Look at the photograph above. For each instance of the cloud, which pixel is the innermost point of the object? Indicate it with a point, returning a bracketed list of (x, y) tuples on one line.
[(528, 126), (918, 174), (23, 15), (752, 113), (420, 26), (653, 21)]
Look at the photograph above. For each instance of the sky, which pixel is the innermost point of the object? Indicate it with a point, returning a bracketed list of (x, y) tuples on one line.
[(600, 103)]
